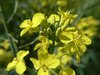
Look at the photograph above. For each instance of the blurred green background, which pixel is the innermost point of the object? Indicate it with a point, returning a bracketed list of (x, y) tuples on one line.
[(13, 12)]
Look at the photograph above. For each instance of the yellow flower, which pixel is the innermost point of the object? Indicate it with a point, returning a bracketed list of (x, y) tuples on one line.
[(74, 42), (67, 71), (64, 58), (62, 2), (65, 18), (66, 35), (88, 26), (37, 19), (18, 62), (44, 63), (44, 43), (78, 44), (2, 54), (6, 44)]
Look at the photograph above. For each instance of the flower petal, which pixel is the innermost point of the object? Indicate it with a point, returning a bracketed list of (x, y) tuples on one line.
[(65, 37), (37, 46), (24, 31), (86, 40), (36, 63), (42, 55), (82, 48), (65, 59), (52, 61), (11, 65), (37, 19), (41, 72), (67, 71), (26, 23), (21, 54), (20, 67)]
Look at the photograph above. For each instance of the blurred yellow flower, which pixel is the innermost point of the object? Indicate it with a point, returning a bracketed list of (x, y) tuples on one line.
[(88, 26), (2, 52), (67, 71), (6, 44), (18, 62), (65, 59), (62, 2)]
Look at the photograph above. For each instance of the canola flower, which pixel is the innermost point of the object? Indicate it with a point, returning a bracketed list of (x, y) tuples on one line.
[(18, 62), (37, 19), (6, 44), (44, 63), (44, 43), (88, 26), (74, 42), (67, 71), (62, 3), (65, 18)]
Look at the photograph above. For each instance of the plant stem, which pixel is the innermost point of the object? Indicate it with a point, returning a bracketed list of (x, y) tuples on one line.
[(13, 43), (28, 43), (15, 9), (53, 72), (6, 31)]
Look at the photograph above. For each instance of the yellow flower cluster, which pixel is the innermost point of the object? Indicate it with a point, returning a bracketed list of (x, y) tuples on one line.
[(88, 26), (57, 43)]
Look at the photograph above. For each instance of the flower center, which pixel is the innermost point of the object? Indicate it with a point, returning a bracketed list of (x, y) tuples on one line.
[(44, 68), (29, 22)]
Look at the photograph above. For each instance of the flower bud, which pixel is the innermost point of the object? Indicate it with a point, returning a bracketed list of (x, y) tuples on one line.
[(49, 30), (58, 31)]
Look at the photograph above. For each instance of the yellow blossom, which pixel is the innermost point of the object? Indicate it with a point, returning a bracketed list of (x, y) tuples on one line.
[(65, 18), (37, 19), (88, 26), (74, 42), (62, 2), (6, 44), (66, 35), (64, 58), (44, 63), (44, 43), (67, 71), (18, 62)]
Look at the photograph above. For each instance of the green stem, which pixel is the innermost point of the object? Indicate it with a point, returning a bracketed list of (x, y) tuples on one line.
[(54, 41), (6, 31), (15, 9), (53, 72), (28, 43), (14, 44), (4, 23)]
